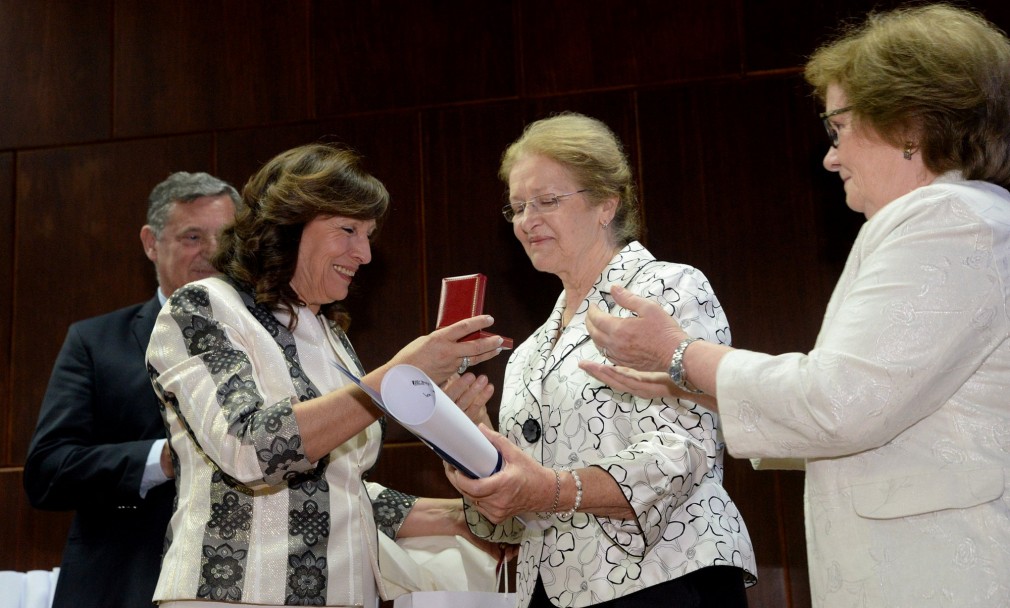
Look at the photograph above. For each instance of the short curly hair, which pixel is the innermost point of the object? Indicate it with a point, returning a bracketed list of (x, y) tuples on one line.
[(260, 250), (595, 157), (935, 75)]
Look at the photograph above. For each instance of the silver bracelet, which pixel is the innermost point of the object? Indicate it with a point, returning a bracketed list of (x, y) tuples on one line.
[(677, 372), (578, 494), (557, 496)]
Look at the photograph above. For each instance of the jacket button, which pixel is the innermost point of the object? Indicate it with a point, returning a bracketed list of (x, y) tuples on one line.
[(531, 430)]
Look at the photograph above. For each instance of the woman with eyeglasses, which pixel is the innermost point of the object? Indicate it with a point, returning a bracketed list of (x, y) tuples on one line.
[(900, 413), (616, 500)]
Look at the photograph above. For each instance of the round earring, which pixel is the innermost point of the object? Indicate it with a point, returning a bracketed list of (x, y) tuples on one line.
[(607, 223)]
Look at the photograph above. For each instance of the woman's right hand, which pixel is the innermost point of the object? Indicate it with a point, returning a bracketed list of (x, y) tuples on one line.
[(440, 354), (523, 485), (645, 341)]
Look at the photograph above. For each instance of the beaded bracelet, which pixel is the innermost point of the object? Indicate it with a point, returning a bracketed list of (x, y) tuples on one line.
[(557, 496), (578, 495)]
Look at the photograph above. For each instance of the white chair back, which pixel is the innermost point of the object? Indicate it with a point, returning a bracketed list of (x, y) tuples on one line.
[(32, 589)]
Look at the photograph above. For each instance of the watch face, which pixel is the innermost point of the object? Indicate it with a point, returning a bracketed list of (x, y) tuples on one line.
[(676, 374)]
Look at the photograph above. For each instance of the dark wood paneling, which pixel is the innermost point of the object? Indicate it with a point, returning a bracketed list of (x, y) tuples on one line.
[(188, 66), (29, 539), (746, 200), (758, 498), (6, 289), (573, 45), (726, 188), (783, 33), (55, 61), (78, 218), (413, 468), (373, 55)]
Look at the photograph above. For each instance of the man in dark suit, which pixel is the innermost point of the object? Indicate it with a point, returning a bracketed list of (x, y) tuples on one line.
[(99, 447)]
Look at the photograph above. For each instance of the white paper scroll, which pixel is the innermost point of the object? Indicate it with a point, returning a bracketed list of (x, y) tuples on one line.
[(417, 403)]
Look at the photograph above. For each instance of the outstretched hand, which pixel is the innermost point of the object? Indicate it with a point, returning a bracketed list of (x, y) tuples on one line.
[(644, 342), (649, 385)]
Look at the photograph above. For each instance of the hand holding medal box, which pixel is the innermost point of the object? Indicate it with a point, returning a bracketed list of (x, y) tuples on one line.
[(463, 298)]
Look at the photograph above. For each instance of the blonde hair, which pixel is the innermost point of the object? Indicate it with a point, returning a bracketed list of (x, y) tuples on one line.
[(595, 158), (936, 76)]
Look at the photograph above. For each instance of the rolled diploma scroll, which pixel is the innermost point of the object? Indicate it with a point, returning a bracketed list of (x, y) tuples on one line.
[(417, 403)]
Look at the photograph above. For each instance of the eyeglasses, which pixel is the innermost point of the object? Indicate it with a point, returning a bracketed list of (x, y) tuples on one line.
[(830, 128), (545, 203)]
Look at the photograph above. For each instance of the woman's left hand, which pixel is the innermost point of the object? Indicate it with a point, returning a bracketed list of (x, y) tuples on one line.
[(649, 385), (644, 342), (522, 486), (446, 517), (471, 394)]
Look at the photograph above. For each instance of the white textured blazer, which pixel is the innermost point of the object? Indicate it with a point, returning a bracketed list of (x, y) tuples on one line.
[(667, 457), (902, 410), (256, 521)]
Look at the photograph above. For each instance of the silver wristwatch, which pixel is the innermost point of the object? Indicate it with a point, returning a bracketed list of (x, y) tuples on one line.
[(677, 367)]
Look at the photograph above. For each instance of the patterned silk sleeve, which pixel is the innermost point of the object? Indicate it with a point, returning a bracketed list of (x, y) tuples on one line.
[(209, 380), (390, 509)]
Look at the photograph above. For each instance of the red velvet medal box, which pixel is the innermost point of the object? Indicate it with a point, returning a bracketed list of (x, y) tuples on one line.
[(462, 298)]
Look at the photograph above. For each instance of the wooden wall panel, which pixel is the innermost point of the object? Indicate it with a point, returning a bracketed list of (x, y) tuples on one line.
[(56, 65), (783, 33), (749, 216), (372, 55), (789, 485), (78, 218), (723, 202), (6, 289), (188, 66), (29, 539), (575, 45), (413, 468)]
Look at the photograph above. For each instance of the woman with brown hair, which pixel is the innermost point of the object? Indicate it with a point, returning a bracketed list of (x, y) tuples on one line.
[(270, 440)]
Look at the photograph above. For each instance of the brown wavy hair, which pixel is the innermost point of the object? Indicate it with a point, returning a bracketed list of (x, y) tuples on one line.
[(260, 250), (936, 76)]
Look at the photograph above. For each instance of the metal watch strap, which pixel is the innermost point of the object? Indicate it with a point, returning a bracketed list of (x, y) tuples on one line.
[(677, 366)]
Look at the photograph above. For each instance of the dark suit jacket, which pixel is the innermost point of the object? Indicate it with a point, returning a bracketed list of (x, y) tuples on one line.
[(97, 423)]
